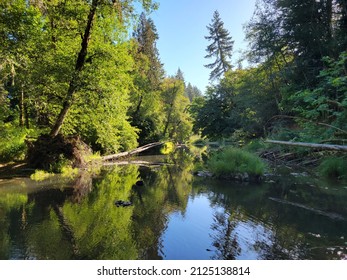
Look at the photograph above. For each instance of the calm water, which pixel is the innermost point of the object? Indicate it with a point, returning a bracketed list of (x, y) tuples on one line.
[(174, 215)]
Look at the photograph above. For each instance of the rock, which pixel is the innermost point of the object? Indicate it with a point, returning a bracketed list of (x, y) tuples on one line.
[(204, 174), (123, 203), (139, 183)]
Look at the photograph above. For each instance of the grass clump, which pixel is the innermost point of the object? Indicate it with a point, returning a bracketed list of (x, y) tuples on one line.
[(334, 168), (40, 175), (230, 161)]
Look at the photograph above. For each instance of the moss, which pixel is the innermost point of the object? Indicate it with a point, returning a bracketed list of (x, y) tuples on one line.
[(230, 161)]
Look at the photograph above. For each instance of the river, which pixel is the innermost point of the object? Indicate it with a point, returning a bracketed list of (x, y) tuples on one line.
[(173, 215)]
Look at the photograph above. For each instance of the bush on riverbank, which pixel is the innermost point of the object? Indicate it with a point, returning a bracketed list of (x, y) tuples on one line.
[(334, 168), (12, 146), (229, 162)]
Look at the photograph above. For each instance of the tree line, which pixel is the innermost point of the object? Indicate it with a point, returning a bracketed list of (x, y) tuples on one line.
[(88, 68), (295, 87), (92, 69)]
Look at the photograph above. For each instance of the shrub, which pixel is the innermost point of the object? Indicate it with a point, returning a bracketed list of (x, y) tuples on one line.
[(334, 167), (229, 161), (167, 148), (40, 175), (256, 145), (12, 146)]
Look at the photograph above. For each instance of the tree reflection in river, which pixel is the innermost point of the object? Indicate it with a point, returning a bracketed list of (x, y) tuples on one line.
[(225, 237), (173, 215)]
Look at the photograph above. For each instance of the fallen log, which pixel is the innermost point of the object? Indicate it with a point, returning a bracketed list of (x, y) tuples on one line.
[(311, 145), (132, 152)]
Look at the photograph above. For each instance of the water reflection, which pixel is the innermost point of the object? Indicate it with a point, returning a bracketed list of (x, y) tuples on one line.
[(173, 216)]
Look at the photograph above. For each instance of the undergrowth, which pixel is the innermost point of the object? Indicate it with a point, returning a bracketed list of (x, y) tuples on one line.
[(230, 161), (334, 168)]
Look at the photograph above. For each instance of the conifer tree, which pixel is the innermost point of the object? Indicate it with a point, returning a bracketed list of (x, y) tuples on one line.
[(220, 48)]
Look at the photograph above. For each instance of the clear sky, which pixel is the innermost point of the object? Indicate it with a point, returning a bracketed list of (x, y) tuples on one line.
[(181, 25)]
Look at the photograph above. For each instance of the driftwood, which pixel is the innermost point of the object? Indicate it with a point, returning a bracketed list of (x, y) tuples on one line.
[(132, 152), (311, 145), (136, 162)]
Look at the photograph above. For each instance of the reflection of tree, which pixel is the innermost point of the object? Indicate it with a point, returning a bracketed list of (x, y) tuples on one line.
[(8, 201), (82, 186), (165, 190), (284, 243), (78, 220), (102, 230), (224, 236)]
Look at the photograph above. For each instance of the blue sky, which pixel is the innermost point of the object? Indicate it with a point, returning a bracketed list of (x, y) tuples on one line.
[(181, 25)]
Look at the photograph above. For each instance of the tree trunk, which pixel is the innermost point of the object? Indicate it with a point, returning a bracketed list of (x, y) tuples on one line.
[(21, 108), (73, 85), (310, 145), (132, 152)]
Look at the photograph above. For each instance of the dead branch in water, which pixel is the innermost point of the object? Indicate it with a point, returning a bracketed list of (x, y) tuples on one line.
[(310, 145), (132, 152)]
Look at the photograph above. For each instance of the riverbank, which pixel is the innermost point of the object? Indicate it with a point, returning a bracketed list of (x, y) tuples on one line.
[(15, 169)]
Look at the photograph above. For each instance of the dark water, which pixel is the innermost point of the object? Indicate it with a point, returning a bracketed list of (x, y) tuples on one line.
[(174, 215)]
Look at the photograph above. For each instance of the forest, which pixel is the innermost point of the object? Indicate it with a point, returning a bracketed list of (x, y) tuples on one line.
[(89, 73)]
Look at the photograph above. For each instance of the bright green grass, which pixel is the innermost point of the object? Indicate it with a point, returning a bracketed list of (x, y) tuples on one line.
[(229, 161)]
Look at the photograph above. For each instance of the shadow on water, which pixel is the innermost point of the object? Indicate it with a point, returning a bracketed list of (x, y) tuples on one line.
[(173, 215)]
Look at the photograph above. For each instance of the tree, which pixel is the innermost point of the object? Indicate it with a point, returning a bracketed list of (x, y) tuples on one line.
[(147, 76), (179, 75), (220, 48), (239, 106), (192, 92), (300, 45), (21, 39), (177, 122)]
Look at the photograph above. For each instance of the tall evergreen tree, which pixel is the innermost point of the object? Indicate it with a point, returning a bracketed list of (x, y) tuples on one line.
[(146, 37), (147, 78), (180, 75), (221, 47), (192, 92)]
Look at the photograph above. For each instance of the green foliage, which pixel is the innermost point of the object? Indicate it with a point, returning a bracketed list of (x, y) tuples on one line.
[(326, 103), (12, 145), (69, 172), (256, 146), (148, 72), (230, 161), (177, 121), (167, 148), (40, 175), (192, 92), (233, 105), (334, 167), (305, 61), (60, 164), (39, 54)]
